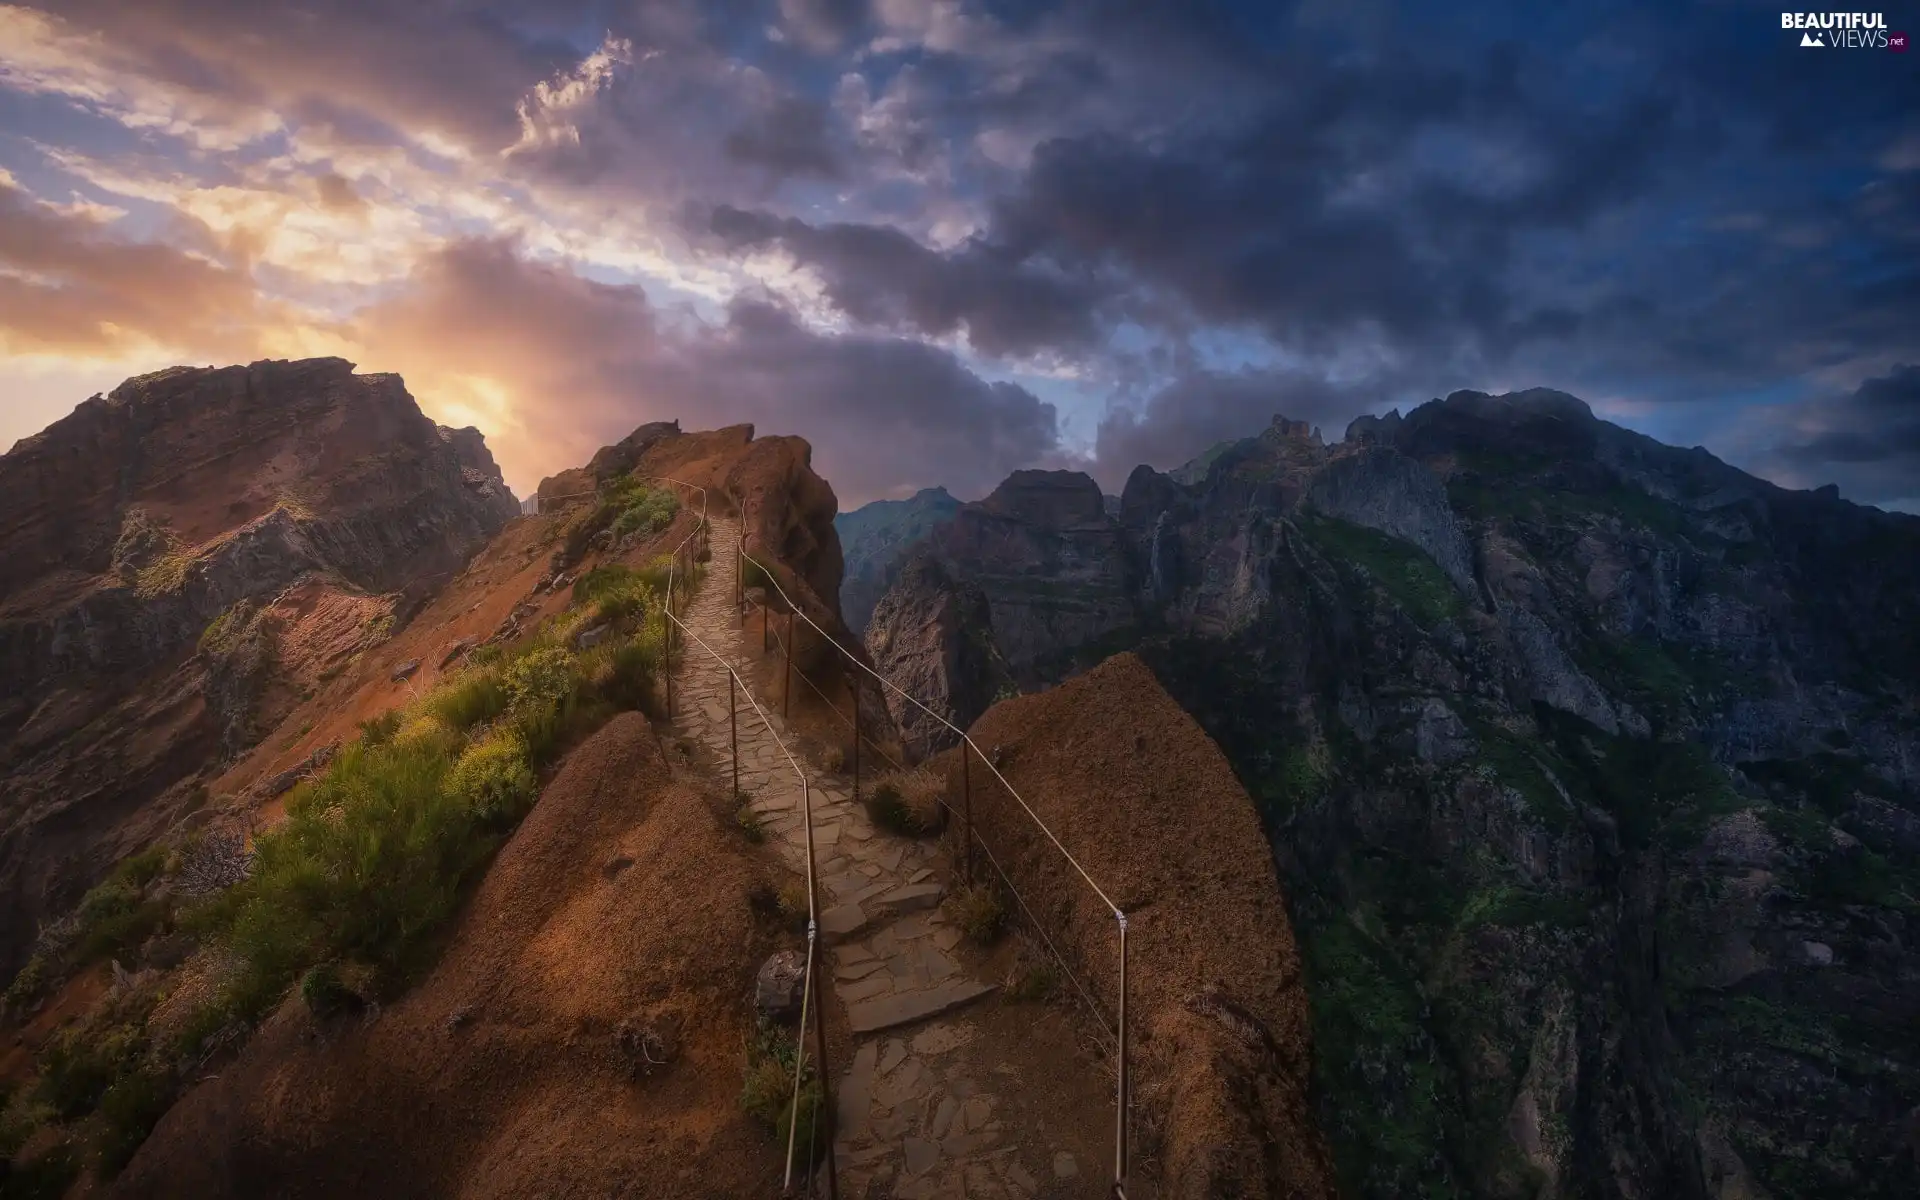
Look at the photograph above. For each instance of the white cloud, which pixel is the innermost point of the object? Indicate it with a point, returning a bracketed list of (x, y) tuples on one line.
[(549, 114)]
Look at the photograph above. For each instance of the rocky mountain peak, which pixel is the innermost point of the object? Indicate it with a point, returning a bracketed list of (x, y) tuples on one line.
[(1053, 499), (278, 495)]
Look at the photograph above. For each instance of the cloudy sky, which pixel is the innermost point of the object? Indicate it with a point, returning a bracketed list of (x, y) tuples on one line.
[(943, 239)]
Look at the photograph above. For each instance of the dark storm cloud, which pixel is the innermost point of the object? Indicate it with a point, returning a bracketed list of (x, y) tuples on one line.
[(1870, 437), (882, 413), (882, 277), (823, 25), (1202, 408), (1348, 206), (1628, 199), (790, 138)]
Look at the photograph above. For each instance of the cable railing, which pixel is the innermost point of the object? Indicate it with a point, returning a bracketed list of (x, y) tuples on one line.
[(969, 748), (681, 567)]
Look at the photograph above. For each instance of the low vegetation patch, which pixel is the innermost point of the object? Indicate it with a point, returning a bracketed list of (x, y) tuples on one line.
[(1411, 579), (376, 854), (888, 810), (1032, 983), (750, 824), (768, 1094), (639, 508), (979, 912)]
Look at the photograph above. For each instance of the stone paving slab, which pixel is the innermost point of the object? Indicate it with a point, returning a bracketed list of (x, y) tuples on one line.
[(904, 1008), (910, 1124)]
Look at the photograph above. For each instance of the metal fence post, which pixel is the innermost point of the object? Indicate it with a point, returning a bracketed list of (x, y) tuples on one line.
[(669, 620), (826, 1081), (786, 693), (966, 801), (855, 685), (733, 733), (1121, 1097)]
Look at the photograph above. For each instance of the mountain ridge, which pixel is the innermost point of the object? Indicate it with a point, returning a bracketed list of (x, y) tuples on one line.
[(1592, 767)]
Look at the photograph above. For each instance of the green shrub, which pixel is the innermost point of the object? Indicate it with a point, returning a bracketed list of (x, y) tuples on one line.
[(472, 696), (768, 1094), (323, 992), (370, 861), (378, 731), (631, 668), (113, 915), (495, 780), (425, 733), (979, 912), (888, 810), (46, 1177), (129, 1109), (615, 592), (78, 1065), (541, 679), (750, 824), (22, 1115), (28, 984)]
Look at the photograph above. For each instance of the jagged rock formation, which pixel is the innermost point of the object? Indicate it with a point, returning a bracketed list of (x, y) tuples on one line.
[(179, 560), (1053, 567), (1592, 767), (932, 636), (875, 540)]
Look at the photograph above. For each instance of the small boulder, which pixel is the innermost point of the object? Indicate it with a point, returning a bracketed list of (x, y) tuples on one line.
[(405, 670), (456, 650), (778, 986), (587, 639)]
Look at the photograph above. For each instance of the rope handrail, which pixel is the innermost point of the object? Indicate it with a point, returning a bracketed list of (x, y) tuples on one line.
[(841, 717), (964, 736), (1038, 927), (1120, 1039), (808, 1001)]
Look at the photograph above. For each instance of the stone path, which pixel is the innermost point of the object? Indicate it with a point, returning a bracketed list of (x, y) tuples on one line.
[(912, 1122)]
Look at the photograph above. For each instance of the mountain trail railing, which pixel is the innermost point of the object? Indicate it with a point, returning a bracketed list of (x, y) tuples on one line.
[(1116, 1036), (681, 579)]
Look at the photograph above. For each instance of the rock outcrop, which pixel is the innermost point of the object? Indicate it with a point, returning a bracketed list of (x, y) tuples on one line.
[(933, 636), (1153, 813), (875, 540), (1591, 766), (1054, 569), (178, 560)]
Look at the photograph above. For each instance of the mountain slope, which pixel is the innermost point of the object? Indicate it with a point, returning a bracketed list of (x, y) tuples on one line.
[(1592, 767), (179, 561)]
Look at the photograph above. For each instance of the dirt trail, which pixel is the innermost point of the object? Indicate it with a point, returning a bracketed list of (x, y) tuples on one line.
[(946, 1092)]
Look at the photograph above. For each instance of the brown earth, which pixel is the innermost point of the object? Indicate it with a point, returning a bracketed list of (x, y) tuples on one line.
[(1148, 805), (622, 899)]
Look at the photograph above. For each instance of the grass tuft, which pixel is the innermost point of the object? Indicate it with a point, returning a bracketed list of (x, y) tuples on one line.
[(978, 911), (887, 808)]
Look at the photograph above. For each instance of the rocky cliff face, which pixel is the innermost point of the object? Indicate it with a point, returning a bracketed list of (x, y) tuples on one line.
[(931, 635), (1054, 569), (876, 540), (179, 560), (1592, 767)]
